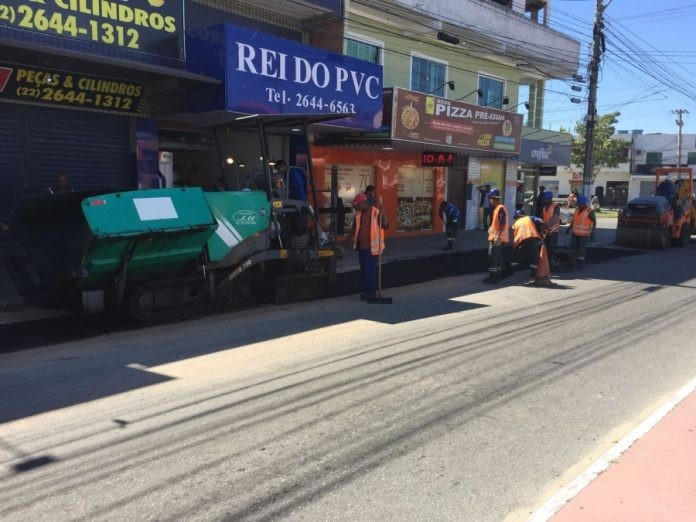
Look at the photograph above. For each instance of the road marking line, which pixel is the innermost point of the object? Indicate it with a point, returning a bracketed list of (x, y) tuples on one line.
[(560, 499)]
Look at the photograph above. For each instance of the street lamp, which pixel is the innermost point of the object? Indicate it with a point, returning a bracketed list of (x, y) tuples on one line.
[(505, 99), (449, 83), (477, 91), (526, 106)]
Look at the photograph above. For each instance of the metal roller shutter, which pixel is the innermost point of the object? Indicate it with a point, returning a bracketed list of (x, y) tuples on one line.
[(37, 143), (12, 159)]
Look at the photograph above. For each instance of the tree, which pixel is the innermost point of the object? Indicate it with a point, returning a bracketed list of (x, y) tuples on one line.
[(606, 151)]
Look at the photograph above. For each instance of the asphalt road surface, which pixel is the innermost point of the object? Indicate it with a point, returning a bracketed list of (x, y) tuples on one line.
[(460, 401)]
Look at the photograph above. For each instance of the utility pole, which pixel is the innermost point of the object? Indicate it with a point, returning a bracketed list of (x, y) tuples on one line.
[(591, 118), (680, 124)]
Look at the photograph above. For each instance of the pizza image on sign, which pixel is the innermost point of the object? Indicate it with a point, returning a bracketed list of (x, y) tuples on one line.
[(410, 117)]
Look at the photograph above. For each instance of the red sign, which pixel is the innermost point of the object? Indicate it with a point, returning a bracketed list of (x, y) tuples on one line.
[(437, 159), (5, 74), (424, 118)]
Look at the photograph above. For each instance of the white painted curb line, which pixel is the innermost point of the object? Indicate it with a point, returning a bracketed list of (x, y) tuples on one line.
[(560, 499)]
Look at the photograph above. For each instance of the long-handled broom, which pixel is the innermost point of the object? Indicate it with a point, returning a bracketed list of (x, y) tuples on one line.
[(379, 299)]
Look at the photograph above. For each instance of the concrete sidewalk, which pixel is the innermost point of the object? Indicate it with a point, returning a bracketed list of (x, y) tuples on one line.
[(650, 475)]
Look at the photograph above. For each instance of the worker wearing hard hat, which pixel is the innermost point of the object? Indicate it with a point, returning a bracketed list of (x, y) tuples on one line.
[(527, 235), (498, 236), (551, 214), (582, 228)]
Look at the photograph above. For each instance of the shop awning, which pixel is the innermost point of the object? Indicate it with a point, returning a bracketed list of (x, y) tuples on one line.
[(65, 59)]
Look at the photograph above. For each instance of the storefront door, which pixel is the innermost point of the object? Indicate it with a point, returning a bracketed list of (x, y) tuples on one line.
[(457, 181), (493, 174)]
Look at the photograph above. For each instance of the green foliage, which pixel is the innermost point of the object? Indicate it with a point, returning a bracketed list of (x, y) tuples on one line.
[(606, 152)]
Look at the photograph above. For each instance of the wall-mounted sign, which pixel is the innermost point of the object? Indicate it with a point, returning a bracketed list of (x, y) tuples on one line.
[(55, 87), (149, 27), (265, 74), (541, 152), (431, 158), (423, 118)]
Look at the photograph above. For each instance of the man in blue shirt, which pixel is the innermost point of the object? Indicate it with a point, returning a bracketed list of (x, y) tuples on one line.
[(296, 178), (450, 215)]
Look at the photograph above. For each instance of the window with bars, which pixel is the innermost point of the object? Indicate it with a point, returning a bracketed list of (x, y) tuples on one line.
[(491, 90), (653, 159), (363, 50), (428, 75)]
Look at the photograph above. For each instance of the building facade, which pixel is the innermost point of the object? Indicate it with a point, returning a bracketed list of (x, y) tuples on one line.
[(636, 176), (127, 96)]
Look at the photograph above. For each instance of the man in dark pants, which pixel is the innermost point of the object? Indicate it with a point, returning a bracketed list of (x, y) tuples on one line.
[(551, 215), (527, 235), (538, 204), (498, 237), (582, 229), (450, 215), (369, 242)]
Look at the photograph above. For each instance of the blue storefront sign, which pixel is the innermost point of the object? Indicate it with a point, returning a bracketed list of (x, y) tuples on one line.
[(146, 31), (544, 153), (265, 74)]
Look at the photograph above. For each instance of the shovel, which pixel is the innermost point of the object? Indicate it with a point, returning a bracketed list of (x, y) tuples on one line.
[(379, 299)]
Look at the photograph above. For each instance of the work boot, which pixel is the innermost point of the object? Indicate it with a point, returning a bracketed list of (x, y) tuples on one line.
[(448, 246), (492, 279)]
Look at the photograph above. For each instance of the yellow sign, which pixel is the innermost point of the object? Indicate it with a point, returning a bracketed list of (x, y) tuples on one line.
[(56, 87), (139, 25)]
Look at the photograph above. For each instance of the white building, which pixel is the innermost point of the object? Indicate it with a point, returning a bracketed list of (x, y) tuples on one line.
[(657, 150), (636, 177)]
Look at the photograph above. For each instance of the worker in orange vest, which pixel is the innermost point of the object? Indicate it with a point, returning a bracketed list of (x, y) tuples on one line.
[(527, 235), (369, 242), (551, 214), (498, 237), (582, 228)]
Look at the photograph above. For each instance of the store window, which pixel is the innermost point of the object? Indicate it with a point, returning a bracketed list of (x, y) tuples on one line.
[(428, 75), (415, 195), (492, 92), (364, 49), (493, 174), (352, 179)]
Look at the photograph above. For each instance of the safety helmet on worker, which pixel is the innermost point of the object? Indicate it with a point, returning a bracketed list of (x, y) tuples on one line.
[(494, 193), (547, 196), (582, 200), (359, 198)]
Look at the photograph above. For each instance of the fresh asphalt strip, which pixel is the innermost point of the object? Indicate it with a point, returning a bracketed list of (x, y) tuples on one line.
[(33, 334)]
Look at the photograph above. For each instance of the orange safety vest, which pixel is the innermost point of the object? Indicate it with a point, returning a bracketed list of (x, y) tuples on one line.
[(495, 227), (548, 218), (376, 232), (524, 228), (582, 224)]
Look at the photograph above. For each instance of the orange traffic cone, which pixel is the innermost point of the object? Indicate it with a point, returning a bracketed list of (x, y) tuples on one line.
[(543, 273)]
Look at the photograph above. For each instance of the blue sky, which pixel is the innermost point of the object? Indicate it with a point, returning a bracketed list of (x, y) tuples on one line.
[(648, 70)]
